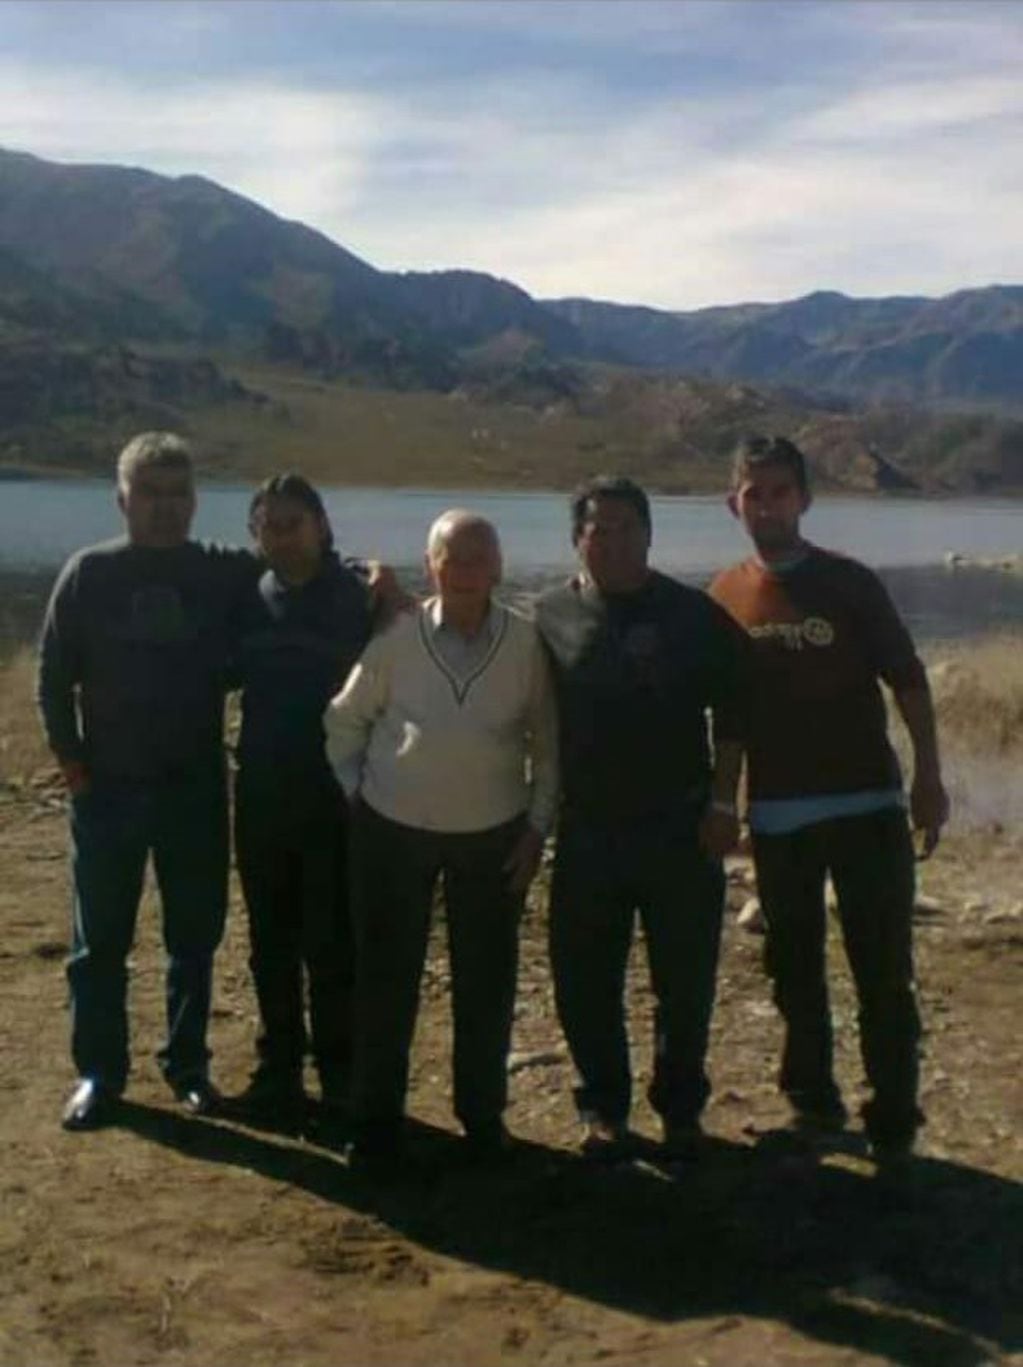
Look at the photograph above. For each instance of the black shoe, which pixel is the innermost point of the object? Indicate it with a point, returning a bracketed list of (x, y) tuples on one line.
[(378, 1151), (892, 1158), (683, 1143), (820, 1122), (198, 1096), (334, 1102), (605, 1141), (488, 1145), (270, 1096), (90, 1106)]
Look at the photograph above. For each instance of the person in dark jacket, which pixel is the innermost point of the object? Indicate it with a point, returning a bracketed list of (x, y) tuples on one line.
[(647, 811), (132, 675), (302, 628)]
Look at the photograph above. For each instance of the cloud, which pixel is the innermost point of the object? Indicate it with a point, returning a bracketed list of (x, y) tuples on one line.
[(916, 108), (700, 201), (303, 155), (674, 153)]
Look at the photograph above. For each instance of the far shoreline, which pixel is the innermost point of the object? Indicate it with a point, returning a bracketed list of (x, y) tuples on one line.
[(210, 479)]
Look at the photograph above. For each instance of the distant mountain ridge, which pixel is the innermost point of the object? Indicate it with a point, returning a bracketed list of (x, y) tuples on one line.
[(147, 255), (202, 263), (965, 346), (130, 297)]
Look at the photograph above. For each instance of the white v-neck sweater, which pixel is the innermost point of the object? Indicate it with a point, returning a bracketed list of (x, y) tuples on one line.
[(430, 750)]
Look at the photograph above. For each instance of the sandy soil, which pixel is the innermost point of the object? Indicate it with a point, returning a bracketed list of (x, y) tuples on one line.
[(180, 1241)]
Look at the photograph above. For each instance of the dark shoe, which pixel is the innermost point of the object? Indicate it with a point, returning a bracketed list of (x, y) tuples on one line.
[(378, 1151), (269, 1096), (198, 1096), (892, 1159), (823, 1122), (605, 1141), (897, 1176), (330, 1120), (891, 1129), (376, 1165), (683, 1143), (89, 1107), (334, 1101), (488, 1145)]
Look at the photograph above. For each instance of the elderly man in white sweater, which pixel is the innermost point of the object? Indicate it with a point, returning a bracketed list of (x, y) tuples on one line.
[(446, 731)]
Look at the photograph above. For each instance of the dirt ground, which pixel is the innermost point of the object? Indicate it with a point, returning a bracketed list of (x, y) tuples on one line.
[(181, 1241)]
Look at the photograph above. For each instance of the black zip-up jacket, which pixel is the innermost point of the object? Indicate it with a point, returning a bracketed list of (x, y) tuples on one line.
[(635, 674)]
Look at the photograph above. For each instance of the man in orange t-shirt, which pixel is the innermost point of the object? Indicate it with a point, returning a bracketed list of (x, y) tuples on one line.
[(825, 793)]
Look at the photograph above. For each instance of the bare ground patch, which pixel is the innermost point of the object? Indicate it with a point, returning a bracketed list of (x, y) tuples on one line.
[(175, 1241)]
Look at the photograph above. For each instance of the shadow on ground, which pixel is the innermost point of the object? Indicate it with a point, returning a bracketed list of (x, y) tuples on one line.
[(927, 1274)]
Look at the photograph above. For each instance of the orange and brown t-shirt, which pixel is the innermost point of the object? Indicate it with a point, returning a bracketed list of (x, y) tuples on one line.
[(823, 632)]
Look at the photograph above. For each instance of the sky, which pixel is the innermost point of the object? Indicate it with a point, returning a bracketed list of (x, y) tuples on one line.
[(675, 153)]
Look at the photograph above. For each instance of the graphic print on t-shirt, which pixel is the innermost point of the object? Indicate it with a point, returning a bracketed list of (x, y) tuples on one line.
[(813, 631)]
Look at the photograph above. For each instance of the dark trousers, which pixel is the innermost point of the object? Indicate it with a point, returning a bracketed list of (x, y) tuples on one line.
[(115, 826), (870, 859), (395, 869), (291, 850), (604, 874)]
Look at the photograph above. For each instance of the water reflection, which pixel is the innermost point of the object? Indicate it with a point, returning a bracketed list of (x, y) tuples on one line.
[(937, 603)]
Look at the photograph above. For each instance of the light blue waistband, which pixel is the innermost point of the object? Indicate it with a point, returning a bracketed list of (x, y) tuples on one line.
[(779, 815)]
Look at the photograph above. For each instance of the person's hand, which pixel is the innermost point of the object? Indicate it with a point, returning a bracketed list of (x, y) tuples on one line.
[(718, 832), (389, 598), (928, 811), (76, 776), (524, 860)]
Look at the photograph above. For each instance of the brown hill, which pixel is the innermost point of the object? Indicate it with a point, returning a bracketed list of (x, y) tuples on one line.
[(128, 298)]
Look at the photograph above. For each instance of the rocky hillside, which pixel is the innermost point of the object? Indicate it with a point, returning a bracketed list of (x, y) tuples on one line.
[(183, 256), (128, 297), (197, 261), (967, 346), (71, 406)]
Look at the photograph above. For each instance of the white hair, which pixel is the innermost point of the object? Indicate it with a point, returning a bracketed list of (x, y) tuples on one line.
[(164, 449), (455, 522)]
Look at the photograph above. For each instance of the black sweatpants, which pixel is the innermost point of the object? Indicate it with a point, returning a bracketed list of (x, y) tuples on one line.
[(870, 859), (605, 876), (395, 869), (292, 860)]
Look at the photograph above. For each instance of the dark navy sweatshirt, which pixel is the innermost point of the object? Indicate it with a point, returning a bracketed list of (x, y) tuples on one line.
[(295, 647), (134, 656)]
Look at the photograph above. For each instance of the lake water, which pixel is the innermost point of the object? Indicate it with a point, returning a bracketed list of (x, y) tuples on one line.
[(43, 521)]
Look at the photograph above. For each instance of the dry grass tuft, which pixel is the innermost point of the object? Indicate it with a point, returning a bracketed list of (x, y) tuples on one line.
[(978, 694), (978, 697)]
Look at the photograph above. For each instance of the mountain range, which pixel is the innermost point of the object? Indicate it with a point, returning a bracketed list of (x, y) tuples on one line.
[(118, 260), (967, 346)]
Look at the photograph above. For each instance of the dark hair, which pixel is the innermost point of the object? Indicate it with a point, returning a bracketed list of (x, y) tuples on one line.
[(294, 486), (754, 452), (608, 486)]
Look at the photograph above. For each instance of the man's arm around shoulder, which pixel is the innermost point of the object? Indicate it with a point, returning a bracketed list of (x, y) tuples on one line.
[(542, 752), (351, 713)]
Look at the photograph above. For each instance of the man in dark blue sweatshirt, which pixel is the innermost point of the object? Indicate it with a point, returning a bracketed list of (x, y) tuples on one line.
[(131, 689), (300, 631)]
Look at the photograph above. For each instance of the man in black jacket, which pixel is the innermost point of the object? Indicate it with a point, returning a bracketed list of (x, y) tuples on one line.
[(646, 812)]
